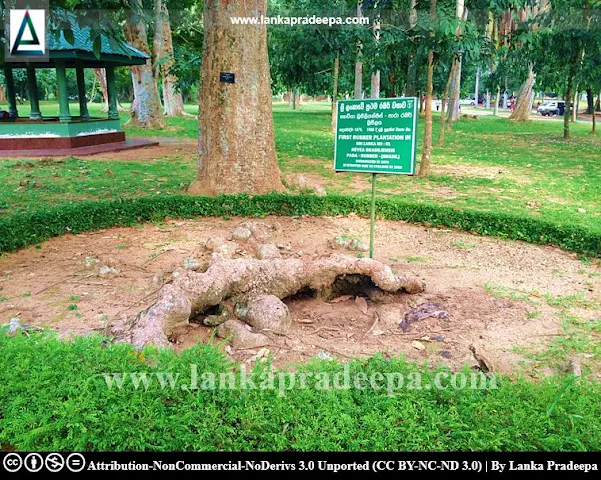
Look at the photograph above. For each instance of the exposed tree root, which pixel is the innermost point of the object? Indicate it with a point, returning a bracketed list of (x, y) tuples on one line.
[(249, 293)]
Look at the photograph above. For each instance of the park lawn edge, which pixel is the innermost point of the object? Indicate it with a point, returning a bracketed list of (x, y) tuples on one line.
[(31, 227)]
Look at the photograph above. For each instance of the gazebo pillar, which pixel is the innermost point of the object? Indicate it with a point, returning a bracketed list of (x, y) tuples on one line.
[(10, 92), (63, 94), (32, 87), (81, 92), (111, 91)]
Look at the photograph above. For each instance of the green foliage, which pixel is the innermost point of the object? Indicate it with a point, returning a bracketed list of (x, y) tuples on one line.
[(31, 227), (54, 396)]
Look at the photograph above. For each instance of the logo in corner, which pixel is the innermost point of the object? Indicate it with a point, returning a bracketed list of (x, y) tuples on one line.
[(27, 32)]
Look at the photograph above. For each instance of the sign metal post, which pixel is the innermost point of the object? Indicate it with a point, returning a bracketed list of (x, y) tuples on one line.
[(376, 136)]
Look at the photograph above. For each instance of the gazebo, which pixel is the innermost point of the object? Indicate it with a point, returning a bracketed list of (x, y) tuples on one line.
[(68, 134)]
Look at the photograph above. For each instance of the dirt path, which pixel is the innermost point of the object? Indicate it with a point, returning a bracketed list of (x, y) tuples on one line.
[(479, 281)]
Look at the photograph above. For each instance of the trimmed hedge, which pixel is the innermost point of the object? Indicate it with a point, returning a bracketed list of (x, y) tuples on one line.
[(31, 227)]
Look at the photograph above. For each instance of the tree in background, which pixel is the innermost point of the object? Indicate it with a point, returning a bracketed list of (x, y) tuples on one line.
[(146, 110), (164, 59)]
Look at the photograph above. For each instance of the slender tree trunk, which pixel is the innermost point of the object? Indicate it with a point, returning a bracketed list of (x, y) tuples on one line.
[(335, 91), (424, 167), (358, 91), (410, 91), (495, 111), (2, 94), (146, 110), (598, 104), (237, 148), (375, 77), (375, 84), (164, 60), (521, 112), (297, 98), (576, 106), (101, 77), (594, 130), (442, 106), (590, 101), (453, 114), (570, 95)]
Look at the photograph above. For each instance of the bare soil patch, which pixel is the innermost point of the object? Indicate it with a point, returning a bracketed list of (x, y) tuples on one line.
[(168, 146), (81, 283), (491, 173)]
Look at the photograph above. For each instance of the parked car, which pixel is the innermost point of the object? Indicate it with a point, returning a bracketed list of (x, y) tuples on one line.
[(467, 101), (551, 107)]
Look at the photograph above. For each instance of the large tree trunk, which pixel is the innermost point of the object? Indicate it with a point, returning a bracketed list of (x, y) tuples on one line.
[(101, 77), (146, 110), (522, 109), (424, 167), (163, 51), (335, 91), (237, 148)]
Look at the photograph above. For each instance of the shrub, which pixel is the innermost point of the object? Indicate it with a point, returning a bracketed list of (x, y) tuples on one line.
[(31, 227)]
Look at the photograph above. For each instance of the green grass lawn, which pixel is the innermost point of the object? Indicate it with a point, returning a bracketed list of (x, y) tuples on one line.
[(54, 397), (487, 164)]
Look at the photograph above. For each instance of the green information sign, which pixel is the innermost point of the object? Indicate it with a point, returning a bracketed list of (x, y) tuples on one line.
[(376, 136)]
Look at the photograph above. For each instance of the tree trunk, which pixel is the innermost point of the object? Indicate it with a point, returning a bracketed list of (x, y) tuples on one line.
[(335, 91), (410, 91), (594, 130), (297, 98), (570, 95), (424, 166), (101, 77), (442, 106), (375, 85), (375, 77), (521, 112), (495, 111), (590, 101), (146, 110), (454, 105), (598, 104), (163, 51), (358, 91), (576, 105), (237, 148), (2, 94)]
